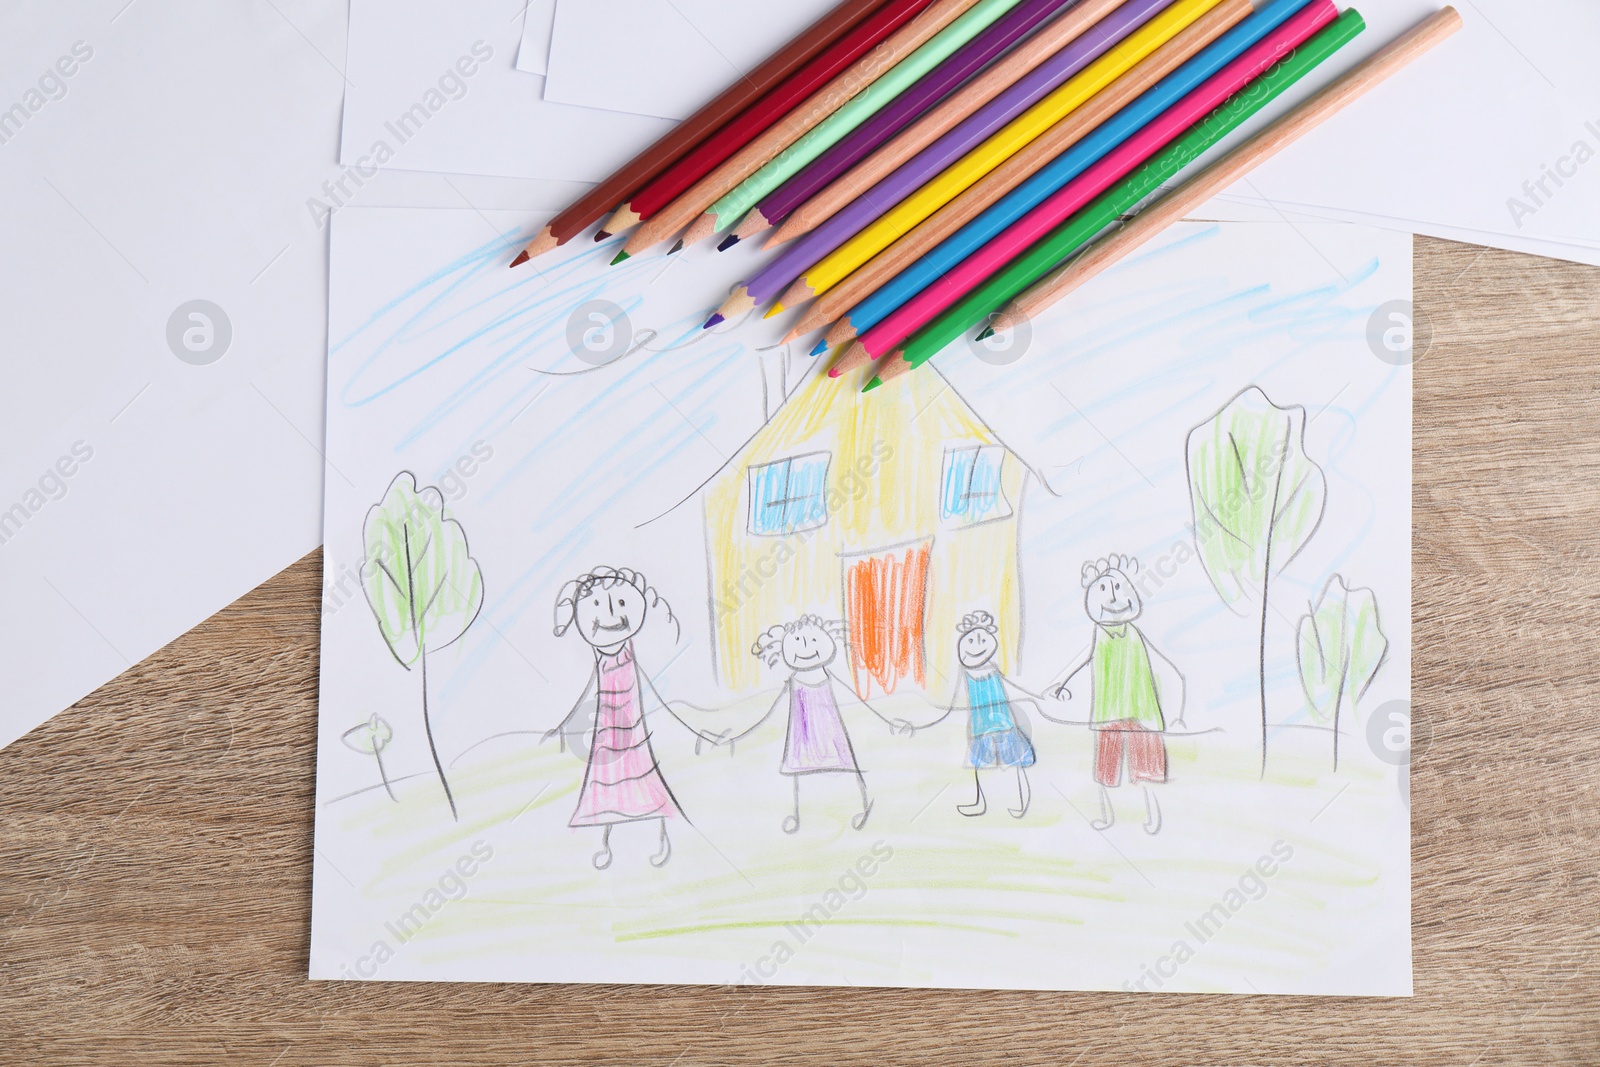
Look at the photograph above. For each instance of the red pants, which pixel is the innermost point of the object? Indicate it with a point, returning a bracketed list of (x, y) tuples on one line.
[(1145, 749)]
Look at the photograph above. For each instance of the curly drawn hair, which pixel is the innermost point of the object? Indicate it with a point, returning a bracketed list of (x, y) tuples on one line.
[(769, 646), (1096, 569), (977, 620), (606, 578)]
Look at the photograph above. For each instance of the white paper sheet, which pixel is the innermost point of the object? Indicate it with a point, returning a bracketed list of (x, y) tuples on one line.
[(533, 54), (665, 57), (435, 87), (182, 159), (563, 435), (1450, 143)]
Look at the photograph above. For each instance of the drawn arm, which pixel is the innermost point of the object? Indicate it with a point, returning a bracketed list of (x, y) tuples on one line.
[(783, 695), (896, 726), (1062, 691), (560, 729), (662, 701)]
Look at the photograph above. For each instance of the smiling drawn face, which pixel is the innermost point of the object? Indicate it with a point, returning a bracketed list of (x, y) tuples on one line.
[(609, 614), (976, 648), (1111, 599), (809, 647)]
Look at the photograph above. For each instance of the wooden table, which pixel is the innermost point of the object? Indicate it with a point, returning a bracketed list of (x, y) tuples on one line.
[(156, 843)]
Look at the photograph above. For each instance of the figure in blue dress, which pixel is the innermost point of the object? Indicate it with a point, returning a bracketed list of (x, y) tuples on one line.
[(996, 737)]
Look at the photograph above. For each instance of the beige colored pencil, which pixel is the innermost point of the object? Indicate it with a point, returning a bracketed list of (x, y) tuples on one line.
[(1161, 214), (818, 106), (1013, 172), (1012, 68)]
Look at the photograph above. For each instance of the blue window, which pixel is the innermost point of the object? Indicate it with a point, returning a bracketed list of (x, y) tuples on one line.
[(971, 487), (789, 495)]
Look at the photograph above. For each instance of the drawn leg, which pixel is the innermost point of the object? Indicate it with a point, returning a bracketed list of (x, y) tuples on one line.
[(1024, 794), (602, 859), (980, 804), (1152, 811), (866, 805), (1107, 814), (791, 823), (665, 852)]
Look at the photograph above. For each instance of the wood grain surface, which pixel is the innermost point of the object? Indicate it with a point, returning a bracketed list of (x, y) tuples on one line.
[(156, 838)]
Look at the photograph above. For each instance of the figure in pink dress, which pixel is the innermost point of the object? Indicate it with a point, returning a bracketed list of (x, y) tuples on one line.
[(816, 742), (622, 782)]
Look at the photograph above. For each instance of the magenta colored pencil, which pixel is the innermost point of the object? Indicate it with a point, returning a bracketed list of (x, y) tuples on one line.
[(929, 90), (967, 135)]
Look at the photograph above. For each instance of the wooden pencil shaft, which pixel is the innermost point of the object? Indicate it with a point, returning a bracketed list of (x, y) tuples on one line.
[(1242, 160)]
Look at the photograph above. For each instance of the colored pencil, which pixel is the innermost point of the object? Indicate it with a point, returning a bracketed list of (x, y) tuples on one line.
[(748, 124), (928, 268), (997, 183), (1071, 197), (1017, 134), (1011, 69), (928, 90), (1229, 169), (1083, 36), (876, 96), (813, 110), (1077, 231), (593, 205)]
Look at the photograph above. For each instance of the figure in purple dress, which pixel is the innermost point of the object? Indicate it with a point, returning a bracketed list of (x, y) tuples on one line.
[(622, 781), (817, 741)]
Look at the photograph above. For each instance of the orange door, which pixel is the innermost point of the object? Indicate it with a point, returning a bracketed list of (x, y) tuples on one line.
[(884, 598)]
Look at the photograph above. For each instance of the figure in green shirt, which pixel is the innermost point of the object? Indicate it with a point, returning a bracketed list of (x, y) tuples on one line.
[(1128, 701)]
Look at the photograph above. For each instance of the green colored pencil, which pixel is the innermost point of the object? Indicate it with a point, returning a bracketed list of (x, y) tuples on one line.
[(1077, 231)]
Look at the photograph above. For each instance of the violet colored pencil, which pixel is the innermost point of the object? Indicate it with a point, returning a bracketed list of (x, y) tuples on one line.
[(972, 57), (968, 134)]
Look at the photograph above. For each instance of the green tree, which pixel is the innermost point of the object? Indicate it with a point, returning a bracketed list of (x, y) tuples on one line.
[(423, 585), (1257, 498), (1340, 649)]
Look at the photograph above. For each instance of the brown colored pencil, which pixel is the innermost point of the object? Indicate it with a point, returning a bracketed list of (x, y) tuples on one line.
[(593, 205), (752, 157), (1067, 27), (1230, 168), (1010, 174)]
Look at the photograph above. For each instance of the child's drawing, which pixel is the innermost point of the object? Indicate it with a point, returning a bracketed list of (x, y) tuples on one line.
[(1128, 700), (1257, 498), (622, 781), (816, 741), (423, 585), (995, 736), (370, 738), (1340, 649)]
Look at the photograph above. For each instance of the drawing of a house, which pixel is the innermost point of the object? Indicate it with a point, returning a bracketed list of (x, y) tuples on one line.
[(896, 511)]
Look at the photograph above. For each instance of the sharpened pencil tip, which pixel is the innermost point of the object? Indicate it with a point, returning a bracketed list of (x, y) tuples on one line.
[(728, 242), (522, 257), (716, 319), (870, 386), (600, 235), (620, 257), (775, 309), (676, 248), (988, 331), (820, 347)]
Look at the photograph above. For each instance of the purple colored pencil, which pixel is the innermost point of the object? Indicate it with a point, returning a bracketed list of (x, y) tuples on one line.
[(927, 91), (967, 135)]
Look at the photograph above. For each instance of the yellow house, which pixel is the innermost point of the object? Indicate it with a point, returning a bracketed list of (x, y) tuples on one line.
[(895, 511)]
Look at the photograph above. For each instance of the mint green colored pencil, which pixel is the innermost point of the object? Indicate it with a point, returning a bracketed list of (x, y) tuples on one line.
[(744, 196), (1077, 231)]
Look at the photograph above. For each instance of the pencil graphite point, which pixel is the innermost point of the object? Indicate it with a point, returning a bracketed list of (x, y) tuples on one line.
[(620, 257), (728, 242), (600, 235), (676, 248), (870, 386), (775, 309), (522, 257), (988, 331), (820, 347), (716, 319)]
